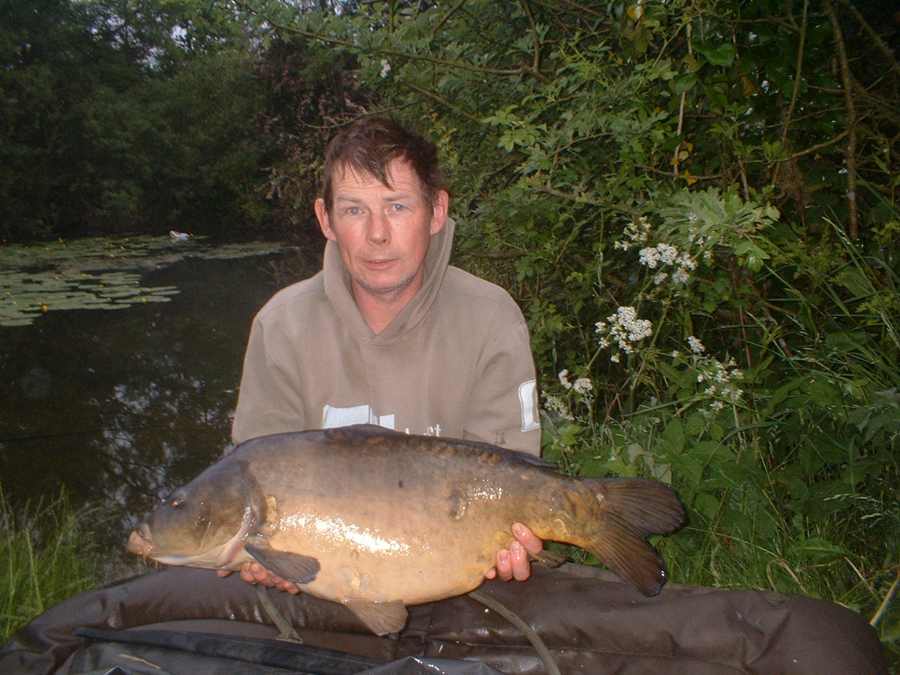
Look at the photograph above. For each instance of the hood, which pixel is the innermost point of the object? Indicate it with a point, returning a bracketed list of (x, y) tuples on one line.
[(340, 295)]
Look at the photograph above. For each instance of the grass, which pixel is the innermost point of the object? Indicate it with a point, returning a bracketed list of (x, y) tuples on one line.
[(46, 556)]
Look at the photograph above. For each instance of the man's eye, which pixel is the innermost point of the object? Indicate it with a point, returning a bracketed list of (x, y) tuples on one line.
[(353, 211), (398, 207)]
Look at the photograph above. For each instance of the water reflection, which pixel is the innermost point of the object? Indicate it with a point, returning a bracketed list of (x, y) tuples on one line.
[(121, 406)]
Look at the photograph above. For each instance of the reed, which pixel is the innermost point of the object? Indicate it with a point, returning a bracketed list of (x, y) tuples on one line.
[(47, 554)]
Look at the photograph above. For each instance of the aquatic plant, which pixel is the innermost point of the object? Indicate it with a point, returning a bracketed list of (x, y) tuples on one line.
[(97, 273)]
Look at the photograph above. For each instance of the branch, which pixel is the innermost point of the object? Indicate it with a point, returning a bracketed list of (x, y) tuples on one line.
[(798, 69), (462, 65), (536, 60), (672, 174), (586, 10), (440, 24), (439, 99), (579, 199), (818, 146), (888, 54), (853, 230), (681, 107)]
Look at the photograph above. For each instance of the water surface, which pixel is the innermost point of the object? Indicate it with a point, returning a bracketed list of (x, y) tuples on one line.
[(119, 406)]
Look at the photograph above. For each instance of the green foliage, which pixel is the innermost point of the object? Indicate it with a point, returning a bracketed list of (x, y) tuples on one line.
[(47, 556), (118, 117), (656, 183)]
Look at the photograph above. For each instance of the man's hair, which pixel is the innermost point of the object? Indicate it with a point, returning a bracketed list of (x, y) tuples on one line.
[(370, 144)]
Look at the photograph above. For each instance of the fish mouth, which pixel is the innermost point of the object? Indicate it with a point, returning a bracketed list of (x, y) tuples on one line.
[(139, 542), (228, 555)]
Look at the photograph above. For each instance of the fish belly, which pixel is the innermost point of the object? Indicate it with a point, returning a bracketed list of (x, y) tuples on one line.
[(413, 552)]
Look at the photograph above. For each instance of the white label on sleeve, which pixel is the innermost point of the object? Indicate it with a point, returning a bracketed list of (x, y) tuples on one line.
[(528, 404)]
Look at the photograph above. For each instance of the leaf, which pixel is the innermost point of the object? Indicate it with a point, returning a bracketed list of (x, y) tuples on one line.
[(816, 550), (684, 83), (706, 504), (721, 55), (673, 436)]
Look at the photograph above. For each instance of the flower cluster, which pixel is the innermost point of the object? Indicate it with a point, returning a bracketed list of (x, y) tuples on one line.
[(719, 378), (635, 233), (665, 255), (622, 329), (582, 385), (695, 239), (557, 407), (695, 345)]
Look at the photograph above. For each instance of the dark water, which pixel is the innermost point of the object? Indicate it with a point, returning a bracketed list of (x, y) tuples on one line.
[(121, 406)]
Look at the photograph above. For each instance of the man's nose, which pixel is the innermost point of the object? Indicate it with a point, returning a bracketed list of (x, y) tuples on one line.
[(379, 231)]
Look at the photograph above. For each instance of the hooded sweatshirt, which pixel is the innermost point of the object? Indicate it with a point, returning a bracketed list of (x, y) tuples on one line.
[(455, 362)]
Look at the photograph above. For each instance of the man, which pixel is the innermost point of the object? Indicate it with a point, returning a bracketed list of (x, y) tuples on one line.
[(388, 332)]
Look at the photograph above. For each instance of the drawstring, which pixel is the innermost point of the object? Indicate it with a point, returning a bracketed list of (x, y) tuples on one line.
[(518, 622)]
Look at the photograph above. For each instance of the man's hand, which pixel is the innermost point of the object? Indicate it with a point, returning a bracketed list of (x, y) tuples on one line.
[(254, 573), (513, 563)]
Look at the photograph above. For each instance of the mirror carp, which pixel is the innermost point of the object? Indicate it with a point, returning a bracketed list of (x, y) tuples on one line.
[(377, 520)]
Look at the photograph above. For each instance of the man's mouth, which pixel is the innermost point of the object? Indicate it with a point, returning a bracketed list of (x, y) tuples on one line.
[(380, 263)]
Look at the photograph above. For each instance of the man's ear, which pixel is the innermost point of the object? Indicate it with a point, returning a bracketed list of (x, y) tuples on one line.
[(441, 207), (324, 221)]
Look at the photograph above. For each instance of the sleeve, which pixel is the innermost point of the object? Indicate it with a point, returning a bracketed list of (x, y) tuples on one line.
[(502, 407), (269, 399)]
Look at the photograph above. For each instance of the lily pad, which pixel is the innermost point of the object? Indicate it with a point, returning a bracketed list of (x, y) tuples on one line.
[(98, 273)]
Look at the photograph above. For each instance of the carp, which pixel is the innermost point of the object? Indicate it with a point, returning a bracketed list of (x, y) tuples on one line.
[(378, 520)]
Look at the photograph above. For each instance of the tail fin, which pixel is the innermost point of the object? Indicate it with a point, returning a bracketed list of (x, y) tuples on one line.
[(631, 510)]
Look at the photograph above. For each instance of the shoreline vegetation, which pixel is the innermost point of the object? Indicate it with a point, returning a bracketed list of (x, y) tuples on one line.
[(47, 554)]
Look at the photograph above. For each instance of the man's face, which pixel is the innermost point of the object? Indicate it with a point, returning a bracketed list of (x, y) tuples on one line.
[(382, 232)]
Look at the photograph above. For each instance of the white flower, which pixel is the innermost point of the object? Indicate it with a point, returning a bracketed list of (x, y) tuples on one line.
[(634, 233), (660, 277), (554, 404), (614, 358), (625, 328), (676, 354), (667, 254), (600, 327), (649, 257), (603, 342), (583, 386), (680, 276), (717, 405), (564, 378), (695, 345), (687, 262), (385, 68)]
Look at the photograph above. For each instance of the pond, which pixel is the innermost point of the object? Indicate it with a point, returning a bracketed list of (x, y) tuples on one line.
[(120, 402)]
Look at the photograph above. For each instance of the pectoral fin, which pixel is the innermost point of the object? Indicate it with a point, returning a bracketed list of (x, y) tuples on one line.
[(301, 569), (380, 617)]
